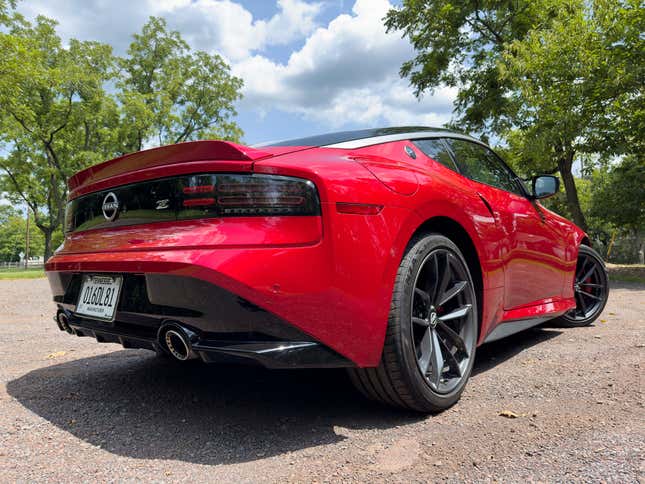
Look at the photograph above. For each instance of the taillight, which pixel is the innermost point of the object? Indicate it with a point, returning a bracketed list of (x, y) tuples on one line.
[(251, 195), (203, 195)]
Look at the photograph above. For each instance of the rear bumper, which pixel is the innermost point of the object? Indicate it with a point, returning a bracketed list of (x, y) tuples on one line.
[(226, 326)]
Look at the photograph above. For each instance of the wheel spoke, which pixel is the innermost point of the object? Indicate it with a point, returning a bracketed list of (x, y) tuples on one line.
[(452, 292), (459, 313), (423, 295), (581, 269), (583, 305), (592, 296), (589, 272), (420, 321), (445, 279), (437, 359), (589, 284), (426, 351), (454, 337), (432, 277), (450, 359)]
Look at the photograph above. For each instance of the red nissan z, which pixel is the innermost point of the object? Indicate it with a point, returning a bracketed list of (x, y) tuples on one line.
[(391, 252)]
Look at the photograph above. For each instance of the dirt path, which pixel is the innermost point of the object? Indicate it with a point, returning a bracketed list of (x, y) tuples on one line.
[(71, 409)]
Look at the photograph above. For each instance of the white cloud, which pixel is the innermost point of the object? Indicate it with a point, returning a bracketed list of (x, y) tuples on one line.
[(230, 29), (345, 73)]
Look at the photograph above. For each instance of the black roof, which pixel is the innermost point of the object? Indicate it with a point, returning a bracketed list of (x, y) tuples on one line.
[(344, 136)]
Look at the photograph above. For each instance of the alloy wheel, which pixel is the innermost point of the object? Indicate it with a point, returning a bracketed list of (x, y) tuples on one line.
[(444, 326), (590, 288)]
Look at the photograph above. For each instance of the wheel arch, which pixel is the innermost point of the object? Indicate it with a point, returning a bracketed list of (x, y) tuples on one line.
[(452, 229)]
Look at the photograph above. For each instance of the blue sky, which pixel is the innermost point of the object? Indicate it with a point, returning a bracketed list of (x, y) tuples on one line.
[(308, 66)]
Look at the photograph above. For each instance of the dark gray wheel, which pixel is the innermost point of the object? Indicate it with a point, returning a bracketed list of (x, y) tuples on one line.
[(590, 287), (432, 330)]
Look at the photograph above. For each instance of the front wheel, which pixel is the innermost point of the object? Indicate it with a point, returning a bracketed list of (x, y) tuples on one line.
[(590, 289), (432, 328)]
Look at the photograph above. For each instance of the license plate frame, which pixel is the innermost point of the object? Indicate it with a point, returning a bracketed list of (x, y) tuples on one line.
[(94, 310)]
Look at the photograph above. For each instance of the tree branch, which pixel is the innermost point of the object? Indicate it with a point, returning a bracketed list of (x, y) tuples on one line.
[(30, 204), (21, 122), (69, 112), (496, 35), (188, 130)]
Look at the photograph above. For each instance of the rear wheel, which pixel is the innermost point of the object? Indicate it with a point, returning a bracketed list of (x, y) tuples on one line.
[(432, 331), (590, 289)]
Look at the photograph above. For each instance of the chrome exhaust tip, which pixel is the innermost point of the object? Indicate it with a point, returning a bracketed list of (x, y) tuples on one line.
[(176, 340), (63, 322)]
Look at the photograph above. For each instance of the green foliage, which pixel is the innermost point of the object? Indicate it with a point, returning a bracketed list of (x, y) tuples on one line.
[(570, 80), (460, 43), (172, 94), (619, 196), (52, 98), (57, 118), (6, 8), (13, 227)]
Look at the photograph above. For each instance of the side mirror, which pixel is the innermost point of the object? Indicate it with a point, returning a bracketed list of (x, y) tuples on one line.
[(545, 186)]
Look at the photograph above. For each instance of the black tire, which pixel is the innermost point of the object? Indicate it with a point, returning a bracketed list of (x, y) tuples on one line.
[(399, 379), (591, 292)]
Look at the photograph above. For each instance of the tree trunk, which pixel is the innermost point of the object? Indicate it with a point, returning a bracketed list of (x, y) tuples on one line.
[(48, 242), (640, 247), (565, 164)]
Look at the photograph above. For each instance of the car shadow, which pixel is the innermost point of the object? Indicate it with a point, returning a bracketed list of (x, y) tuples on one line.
[(492, 354), (134, 404)]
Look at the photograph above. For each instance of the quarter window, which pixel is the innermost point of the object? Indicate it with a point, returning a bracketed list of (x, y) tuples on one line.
[(482, 165), (437, 150)]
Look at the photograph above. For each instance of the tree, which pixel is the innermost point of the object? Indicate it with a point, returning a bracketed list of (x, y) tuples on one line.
[(620, 197), (459, 44), (571, 81), (553, 77), (52, 100), (57, 118), (170, 94), (13, 227)]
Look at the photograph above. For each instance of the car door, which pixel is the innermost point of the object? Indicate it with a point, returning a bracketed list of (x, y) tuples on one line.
[(533, 247)]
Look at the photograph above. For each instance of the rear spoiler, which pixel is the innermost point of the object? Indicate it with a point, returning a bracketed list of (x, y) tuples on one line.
[(166, 155)]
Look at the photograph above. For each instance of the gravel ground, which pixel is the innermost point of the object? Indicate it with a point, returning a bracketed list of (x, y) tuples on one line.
[(74, 410)]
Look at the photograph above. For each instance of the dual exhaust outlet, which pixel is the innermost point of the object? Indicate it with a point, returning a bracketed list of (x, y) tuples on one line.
[(173, 338)]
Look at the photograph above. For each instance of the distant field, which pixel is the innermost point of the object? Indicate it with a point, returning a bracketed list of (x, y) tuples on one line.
[(627, 272), (22, 273)]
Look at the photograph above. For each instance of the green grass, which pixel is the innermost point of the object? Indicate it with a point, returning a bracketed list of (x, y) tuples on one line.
[(627, 278), (6, 274), (627, 272)]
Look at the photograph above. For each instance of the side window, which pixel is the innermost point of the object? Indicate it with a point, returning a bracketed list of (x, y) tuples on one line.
[(436, 149), (481, 164)]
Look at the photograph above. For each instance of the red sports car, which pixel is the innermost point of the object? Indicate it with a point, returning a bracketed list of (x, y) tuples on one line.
[(392, 252)]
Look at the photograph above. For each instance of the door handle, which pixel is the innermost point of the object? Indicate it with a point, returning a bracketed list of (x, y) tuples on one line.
[(490, 209)]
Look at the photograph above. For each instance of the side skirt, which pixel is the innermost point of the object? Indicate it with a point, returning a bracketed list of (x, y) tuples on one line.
[(506, 329)]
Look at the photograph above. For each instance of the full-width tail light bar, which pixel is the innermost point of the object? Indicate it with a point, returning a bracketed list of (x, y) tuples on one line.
[(203, 195)]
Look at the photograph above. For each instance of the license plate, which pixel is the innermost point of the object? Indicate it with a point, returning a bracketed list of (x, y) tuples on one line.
[(99, 296)]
